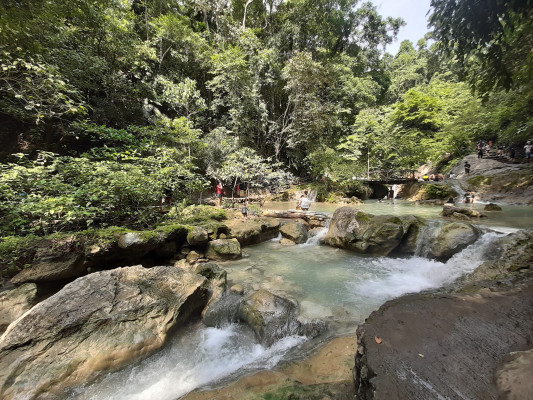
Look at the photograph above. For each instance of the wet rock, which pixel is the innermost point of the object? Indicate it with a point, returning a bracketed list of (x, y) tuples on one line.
[(451, 239), (224, 249), (15, 302), (412, 228), (492, 207), (223, 311), (217, 280), (272, 317), (237, 289), (286, 242), (449, 209), (439, 346), (510, 260), (513, 378), (295, 231), (460, 217), (95, 324)]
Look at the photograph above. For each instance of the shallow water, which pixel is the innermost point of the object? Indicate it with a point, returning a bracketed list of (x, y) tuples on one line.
[(330, 284), (512, 217)]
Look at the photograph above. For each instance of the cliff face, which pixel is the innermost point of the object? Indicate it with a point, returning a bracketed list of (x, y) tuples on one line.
[(455, 345)]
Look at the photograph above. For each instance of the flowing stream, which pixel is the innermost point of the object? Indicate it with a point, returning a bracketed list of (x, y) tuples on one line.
[(332, 285)]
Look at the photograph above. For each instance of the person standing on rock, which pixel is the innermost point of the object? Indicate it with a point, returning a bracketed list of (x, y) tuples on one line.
[(220, 191), (467, 168), (480, 151), (245, 211), (529, 149)]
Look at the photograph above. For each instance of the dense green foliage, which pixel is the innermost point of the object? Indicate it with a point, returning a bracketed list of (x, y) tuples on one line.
[(105, 105)]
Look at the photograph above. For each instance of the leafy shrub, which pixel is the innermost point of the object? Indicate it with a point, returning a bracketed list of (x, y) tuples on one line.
[(439, 191), (201, 214)]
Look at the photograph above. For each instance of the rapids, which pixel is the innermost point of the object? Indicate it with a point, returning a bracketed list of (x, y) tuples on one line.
[(333, 285)]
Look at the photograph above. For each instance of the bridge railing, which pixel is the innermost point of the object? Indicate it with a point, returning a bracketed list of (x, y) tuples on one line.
[(387, 175)]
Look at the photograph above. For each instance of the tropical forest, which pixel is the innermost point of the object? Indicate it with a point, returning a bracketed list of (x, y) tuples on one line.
[(256, 199)]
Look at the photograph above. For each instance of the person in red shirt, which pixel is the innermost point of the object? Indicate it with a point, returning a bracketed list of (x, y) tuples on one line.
[(220, 191)]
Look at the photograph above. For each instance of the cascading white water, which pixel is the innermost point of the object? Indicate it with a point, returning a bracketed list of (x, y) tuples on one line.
[(330, 284), (198, 357), (460, 192), (312, 196), (397, 277), (317, 238)]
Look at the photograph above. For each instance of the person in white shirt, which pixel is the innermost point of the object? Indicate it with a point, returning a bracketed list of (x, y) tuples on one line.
[(304, 203), (529, 149)]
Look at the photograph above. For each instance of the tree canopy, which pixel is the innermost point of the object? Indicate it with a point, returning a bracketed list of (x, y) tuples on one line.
[(104, 105)]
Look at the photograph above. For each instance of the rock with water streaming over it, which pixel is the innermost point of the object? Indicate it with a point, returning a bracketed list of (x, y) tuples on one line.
[(97, 323), (272, 317), (474, 342), (451, 239)]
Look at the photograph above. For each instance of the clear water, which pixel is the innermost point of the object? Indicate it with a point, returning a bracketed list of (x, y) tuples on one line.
[(334, 285), (511, 218)]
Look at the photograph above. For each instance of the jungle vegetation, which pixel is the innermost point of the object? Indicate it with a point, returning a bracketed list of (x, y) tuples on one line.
[(105, 104)]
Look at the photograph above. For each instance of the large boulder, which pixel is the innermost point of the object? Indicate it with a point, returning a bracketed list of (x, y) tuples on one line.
[(445, 346), (224, 249), (15, 302), (449, 210), (355, 230), (252, 231), (510, 260), (97, 323), (272, 317), (452, 238), (54, 260), (298, 232)]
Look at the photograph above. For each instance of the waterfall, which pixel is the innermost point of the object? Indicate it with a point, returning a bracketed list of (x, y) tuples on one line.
[(401, 276), (460, 192), (311, 195), (316, 240)]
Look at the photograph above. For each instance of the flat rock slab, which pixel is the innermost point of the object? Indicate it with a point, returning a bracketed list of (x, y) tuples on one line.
[(442, 346)]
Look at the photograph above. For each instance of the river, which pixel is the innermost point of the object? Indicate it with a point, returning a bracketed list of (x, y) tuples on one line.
[(332, 285)]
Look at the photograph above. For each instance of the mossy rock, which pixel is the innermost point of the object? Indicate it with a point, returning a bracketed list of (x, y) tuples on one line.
[(224, 249)]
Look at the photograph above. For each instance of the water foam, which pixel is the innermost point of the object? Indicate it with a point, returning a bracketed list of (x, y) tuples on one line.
[(392, 277), (201, 357)]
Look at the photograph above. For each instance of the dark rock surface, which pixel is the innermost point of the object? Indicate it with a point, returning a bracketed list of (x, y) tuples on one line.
[(442, 346), (460, 345)]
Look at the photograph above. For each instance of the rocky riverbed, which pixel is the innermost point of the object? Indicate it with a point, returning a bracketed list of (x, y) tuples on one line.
[(107, 319)]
